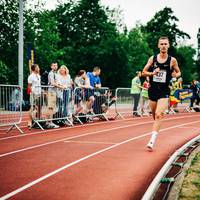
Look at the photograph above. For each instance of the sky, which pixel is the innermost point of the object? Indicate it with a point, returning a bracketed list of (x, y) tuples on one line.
[(187, 11)]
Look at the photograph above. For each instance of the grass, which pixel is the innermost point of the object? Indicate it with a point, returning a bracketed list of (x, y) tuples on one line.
[(196, 183), (191, 185)]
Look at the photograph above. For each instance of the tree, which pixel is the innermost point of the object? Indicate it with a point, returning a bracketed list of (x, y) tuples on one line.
[(164, 23), (187, 63), (46, 39), (3, 73), (138, 50), (9, 37), (89, 38)]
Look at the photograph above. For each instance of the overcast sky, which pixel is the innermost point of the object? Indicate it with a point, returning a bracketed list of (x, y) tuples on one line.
[(187, 11)]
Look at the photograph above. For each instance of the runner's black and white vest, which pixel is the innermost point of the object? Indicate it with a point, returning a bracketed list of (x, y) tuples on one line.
[(162, 79)]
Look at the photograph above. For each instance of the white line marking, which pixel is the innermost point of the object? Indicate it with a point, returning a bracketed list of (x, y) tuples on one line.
[(93, 124), (82, 159), (77, 136), (88, 142), (74, 127), (190, 127), (69, 138)]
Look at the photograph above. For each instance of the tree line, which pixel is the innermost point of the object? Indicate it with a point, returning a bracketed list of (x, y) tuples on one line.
[(83, 34)]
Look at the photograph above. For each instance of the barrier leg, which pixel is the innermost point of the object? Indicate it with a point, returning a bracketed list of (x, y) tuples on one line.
[(69, 121), (104, 115), (14, 125), (36, 122)]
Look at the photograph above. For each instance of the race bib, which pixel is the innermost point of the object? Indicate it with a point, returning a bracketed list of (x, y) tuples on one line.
[(160, 77)]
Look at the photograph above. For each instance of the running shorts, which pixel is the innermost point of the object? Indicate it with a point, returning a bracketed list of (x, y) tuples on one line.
[(156, 94)]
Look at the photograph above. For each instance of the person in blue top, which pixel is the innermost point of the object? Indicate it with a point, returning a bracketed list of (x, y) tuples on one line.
[(95, 83), (95, 80)]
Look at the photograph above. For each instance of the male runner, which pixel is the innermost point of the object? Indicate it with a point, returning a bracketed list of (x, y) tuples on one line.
[(159, 68)]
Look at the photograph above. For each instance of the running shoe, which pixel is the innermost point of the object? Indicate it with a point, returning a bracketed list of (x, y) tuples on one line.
[(152, 141), (136, 115)]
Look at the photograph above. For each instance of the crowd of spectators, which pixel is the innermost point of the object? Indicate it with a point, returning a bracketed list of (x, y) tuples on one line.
[(58, 91)]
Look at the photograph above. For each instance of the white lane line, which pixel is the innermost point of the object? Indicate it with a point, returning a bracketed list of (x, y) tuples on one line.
[(190, 127), (93, 124), (69, 138), (81, 135), (82, 159), (88, 142), (74, 127)]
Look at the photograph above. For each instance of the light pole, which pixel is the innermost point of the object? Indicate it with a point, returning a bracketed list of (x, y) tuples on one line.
[(21, 47)]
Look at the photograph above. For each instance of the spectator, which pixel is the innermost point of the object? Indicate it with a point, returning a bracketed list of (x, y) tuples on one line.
[(135, 91), (95, 82), (52, 93), (174, 85), (81, 81), (198, 85), (94, 78), (44, 78), (103, 102), (144, 96), (195, 91), (180, 82), (65, 83), (34, 87)]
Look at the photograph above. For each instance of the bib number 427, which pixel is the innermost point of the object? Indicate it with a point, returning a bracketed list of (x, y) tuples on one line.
[(160, 76)]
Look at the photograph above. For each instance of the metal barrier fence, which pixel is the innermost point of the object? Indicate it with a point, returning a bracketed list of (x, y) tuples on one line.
[(50, 104), (125, 103), (91, 103), (10, 106), (180, 102)]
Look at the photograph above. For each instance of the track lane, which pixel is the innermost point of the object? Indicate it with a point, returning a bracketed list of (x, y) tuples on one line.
[(93, 146), (26, 143), (120, 174), (28, 133)]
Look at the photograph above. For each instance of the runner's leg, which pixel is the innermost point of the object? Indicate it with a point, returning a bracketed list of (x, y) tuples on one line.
[(162, 105), (153, 105), (157, 112)]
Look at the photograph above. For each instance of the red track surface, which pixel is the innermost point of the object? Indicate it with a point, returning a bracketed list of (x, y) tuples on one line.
[(99, 161)]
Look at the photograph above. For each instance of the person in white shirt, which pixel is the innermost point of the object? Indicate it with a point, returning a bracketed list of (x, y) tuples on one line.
[(34, 85)]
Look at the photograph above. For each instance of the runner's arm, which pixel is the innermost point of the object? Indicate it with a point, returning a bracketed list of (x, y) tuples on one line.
[(176, 67), (145, 71)]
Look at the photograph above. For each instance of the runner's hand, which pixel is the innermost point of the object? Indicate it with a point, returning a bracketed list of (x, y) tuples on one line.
[(156, 71)]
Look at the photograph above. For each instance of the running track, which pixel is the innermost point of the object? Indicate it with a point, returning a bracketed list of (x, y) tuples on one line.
[(98, 161)]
